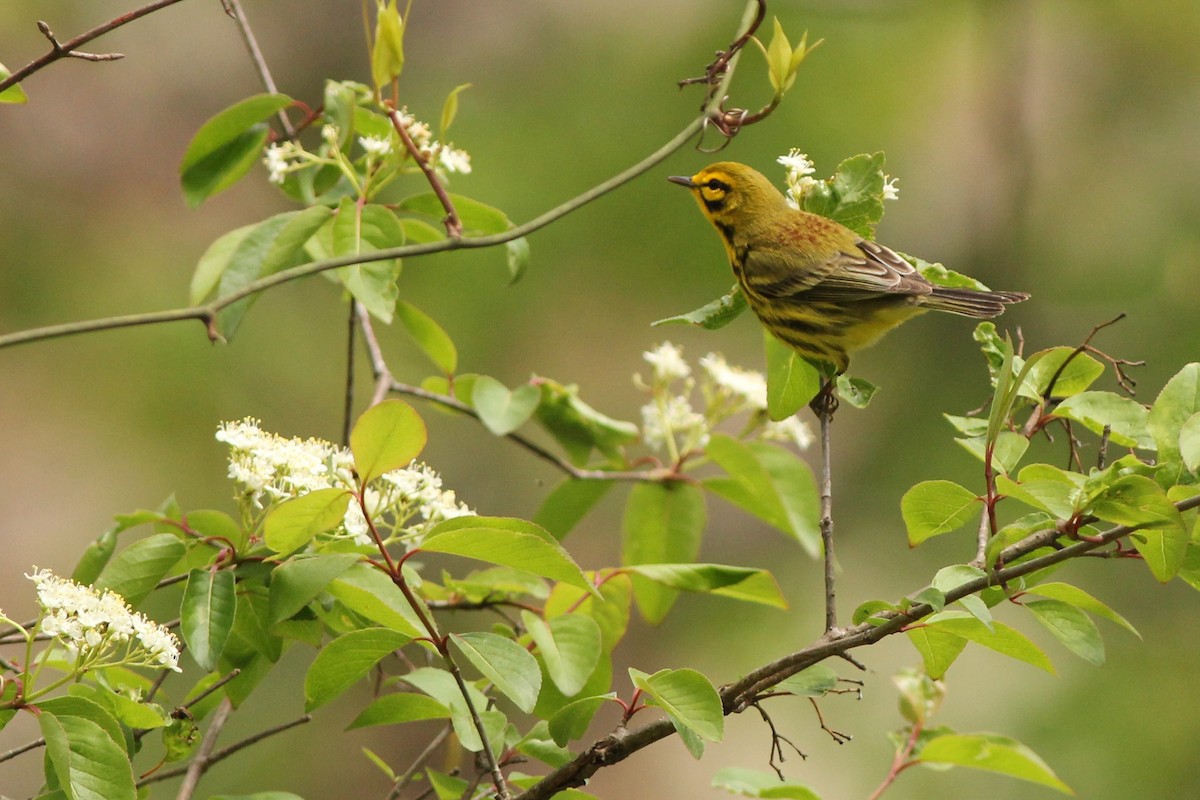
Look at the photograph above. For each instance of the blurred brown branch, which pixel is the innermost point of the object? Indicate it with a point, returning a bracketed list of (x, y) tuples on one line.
[(68, 49)]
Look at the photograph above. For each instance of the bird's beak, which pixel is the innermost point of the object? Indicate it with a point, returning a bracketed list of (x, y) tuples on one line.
[(682, 180)]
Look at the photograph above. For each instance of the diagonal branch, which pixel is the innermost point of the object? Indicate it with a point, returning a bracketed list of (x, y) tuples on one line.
[(739, 696), (67, 49)]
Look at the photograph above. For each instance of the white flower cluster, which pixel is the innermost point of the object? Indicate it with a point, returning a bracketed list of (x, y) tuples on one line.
[(446, 156), (280, 159), (799, 178), (270, 468), (669, 421), (94, 626)]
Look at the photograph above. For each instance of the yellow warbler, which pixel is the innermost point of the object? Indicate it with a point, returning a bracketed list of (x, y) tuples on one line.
[(814, 283)]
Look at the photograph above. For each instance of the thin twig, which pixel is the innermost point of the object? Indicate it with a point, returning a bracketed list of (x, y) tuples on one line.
[(379, 367), (235, 11), (200, 762), (454, 227), (348, 403), (67, 49), (25, 748), (654, 475), (418, 762), (824, 406), (221, 755)]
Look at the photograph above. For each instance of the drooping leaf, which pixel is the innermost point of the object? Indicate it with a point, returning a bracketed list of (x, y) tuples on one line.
[(688, 699), (399, 707), (387, 48), (992, 753), (87, 762), (137, 569), (505, 663), (450, 108), (13, 94), (345, 660), (1126, 419), (296, 521), (1073, 628), (571, 721), (297, 582), (429, 336), (741, 583), (932, 508), (754, 783), (206, 615), (368, 592), (569, 646), (570, 501), (510, 542), (227, 146), (663, 524), (792, 381), (711, 316)]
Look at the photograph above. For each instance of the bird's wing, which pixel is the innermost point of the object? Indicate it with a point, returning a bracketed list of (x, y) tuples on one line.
[(870, 270)]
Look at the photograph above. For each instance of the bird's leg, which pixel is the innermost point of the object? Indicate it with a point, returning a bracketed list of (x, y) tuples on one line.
[(823, 405)]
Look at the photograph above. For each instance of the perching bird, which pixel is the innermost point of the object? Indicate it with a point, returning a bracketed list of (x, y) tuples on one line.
[(814, 283)]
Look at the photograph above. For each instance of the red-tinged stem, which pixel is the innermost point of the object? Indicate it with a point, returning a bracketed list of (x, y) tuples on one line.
[(899, 763)]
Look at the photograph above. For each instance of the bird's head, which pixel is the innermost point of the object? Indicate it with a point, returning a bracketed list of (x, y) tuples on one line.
[(729, 193)]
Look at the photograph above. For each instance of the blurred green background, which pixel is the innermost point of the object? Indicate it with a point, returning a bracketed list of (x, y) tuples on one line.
[(1043, 147)]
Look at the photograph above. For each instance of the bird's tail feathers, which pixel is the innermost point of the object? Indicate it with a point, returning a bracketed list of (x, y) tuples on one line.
[(970, 302)]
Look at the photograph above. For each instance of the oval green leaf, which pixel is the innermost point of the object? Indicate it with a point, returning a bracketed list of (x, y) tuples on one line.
[(386, 437)]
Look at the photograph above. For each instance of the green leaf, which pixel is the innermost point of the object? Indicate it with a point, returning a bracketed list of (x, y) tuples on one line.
[(932, 508), (1070, 626), (206, 615), (137, 569), (571, 721), (510, 542), (1178, 401), (296, 583), (711, 316), (441, 686), (1081, 599), (227, 146), (610, 605), (476, 217), (569, 646), (517, 256), (687, 697), (753, 783), (770, 483), (505, 663), (1126, 418), (90, 710), (939, 649), (124, 709), (87, 762), (500, 410), (570, 501), (429, 336), (368, 592), (999, 637), (1162, 550), (1079, 373), (241, 257), (855, 391), (400, 707), (345, 660), (993, 754), (1189, 442), (13, 94), (95, 557), (1135, 500), (447, 787), (815, 681), (578, 427), (1008, 451), (663, 523), (296, 521), (792, 381), (418, 231), (387, 49), (741, 583), (939, 275), (387, 436), (1046, 488), (854, 196), (450, 108), (367, 229)]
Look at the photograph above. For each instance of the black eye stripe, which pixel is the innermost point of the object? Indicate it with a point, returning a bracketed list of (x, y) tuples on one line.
[(717, 186)]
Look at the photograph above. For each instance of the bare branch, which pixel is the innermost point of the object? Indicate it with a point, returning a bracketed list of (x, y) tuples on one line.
[(67, 49)]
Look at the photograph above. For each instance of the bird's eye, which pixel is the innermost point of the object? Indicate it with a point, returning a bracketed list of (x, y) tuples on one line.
[(716, 185)]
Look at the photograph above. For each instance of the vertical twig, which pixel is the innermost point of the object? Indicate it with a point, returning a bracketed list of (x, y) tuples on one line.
[(454, 226), (824, 405), (348, 405), (199, 763), (234, 8)]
